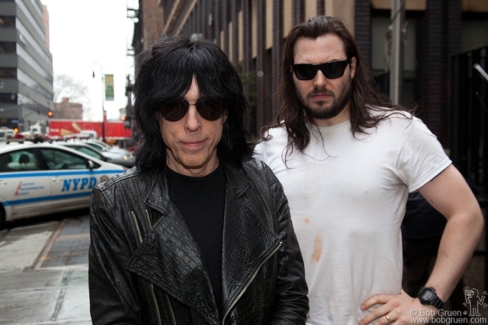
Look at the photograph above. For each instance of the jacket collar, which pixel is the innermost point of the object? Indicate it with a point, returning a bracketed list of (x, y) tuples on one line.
[(158, 199)]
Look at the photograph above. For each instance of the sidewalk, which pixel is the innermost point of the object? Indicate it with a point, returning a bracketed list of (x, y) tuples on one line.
[(44, 274)]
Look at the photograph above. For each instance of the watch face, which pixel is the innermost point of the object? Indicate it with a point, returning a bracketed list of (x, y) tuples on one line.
[(427, 295)]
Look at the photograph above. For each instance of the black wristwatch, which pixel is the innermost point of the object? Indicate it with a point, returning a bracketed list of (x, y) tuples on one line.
[(428, 296)]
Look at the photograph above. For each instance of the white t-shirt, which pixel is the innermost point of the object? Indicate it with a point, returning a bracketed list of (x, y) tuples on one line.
[(347, 198)]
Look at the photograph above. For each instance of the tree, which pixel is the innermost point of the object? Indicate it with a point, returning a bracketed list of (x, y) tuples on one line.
[(75, 90)]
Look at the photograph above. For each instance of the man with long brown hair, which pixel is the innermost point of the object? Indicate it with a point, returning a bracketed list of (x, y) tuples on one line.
[(347, 159)]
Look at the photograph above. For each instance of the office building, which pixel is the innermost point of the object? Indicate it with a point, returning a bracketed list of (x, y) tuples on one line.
[(26, 67)]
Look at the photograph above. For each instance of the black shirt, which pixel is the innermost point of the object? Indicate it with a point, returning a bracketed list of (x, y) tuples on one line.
[(201, 202)]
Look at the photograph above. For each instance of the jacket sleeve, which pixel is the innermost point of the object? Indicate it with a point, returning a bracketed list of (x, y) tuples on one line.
[(111, 287), (291, 301)]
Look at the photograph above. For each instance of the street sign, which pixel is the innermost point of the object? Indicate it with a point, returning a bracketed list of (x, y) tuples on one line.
[(109, 87)]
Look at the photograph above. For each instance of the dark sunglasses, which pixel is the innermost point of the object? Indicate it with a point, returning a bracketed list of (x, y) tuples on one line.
[(175, 110), (331, 70)]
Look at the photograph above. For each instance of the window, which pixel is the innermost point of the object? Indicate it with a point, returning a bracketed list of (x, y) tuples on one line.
[(8, 98), (88, 151), (7, 21), (6, 163), (22, 160), (8, 73), (7, 47), (59, 159)]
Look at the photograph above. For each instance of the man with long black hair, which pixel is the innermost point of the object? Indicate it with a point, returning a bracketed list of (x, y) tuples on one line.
[(347, 159), (198, 232)]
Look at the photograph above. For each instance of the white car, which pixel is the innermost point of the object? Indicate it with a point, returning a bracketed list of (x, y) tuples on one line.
[(112, 153), (119, 159), (39, 179), (102, 146), (6, 134)]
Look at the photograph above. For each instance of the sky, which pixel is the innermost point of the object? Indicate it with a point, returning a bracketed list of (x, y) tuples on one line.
[(92, 36)]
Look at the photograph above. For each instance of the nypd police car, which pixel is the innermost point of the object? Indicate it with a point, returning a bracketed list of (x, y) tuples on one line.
[(43, 178)]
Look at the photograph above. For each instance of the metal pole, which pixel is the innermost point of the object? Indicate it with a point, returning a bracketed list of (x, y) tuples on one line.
[(103, 98), (397, 49), (20, 123), (103, 105), (481, 71)]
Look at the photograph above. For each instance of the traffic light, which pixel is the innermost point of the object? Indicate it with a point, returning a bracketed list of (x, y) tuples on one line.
[(50, 114)]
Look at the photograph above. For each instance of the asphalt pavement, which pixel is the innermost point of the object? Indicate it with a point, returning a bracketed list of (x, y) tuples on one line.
[(44, 273)]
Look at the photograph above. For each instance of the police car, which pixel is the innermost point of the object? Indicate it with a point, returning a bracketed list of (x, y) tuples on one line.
[(43, 178)]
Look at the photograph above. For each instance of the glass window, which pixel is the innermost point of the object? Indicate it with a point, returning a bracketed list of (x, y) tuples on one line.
[(96, 146), (8, 98), (6, 163), (59, 159), (7, 47), (22, 160), (88, 151), (8, 73), (7, 21)]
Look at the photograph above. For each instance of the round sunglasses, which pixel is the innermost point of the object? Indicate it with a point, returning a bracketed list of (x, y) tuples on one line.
[(175, 110), (331, 70)]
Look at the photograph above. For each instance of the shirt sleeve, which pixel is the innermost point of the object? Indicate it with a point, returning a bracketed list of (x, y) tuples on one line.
[(421, 157)]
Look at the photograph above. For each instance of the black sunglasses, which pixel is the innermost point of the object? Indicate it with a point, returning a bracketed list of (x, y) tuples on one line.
[(331, 70), (175, 110)]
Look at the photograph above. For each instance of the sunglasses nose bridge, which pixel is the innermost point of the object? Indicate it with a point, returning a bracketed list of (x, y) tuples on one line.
[(197, 109), (192, 118), (193, 110), (320, 75)]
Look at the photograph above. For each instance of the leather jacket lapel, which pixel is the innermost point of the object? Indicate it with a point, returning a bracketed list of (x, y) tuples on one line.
[(169, 258), (242, 258)]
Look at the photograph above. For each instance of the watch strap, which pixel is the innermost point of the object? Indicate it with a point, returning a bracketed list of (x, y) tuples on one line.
[(437, 302)]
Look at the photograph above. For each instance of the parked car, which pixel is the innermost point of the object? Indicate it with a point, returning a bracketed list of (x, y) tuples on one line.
[(6, 133), (110, 151), (119, 159), (43, 178)]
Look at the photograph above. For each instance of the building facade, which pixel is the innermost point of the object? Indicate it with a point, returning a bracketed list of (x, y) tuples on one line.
[(26, 67), (68, 110), (252, 33)]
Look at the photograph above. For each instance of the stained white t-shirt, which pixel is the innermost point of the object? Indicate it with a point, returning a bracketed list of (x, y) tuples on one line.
[(347, 198)]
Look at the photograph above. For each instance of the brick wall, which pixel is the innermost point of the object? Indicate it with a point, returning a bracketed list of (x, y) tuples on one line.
[(152, 17)]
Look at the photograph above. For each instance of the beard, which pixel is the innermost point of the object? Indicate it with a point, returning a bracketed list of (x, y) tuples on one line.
[(320, 110)]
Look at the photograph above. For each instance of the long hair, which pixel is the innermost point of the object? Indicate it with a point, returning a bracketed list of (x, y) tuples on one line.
[(365, 96), (165, 72)]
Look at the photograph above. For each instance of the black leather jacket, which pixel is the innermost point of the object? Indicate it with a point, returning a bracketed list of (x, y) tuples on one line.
[(145, 268)]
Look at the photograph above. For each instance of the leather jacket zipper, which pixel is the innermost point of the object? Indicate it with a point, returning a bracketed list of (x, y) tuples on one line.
[(249, 282), (158, 315)]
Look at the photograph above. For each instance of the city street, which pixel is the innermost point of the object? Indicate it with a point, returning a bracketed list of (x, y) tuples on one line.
[(44, 270)]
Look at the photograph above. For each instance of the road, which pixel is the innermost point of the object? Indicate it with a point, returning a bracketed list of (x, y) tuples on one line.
[(44, 270)]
